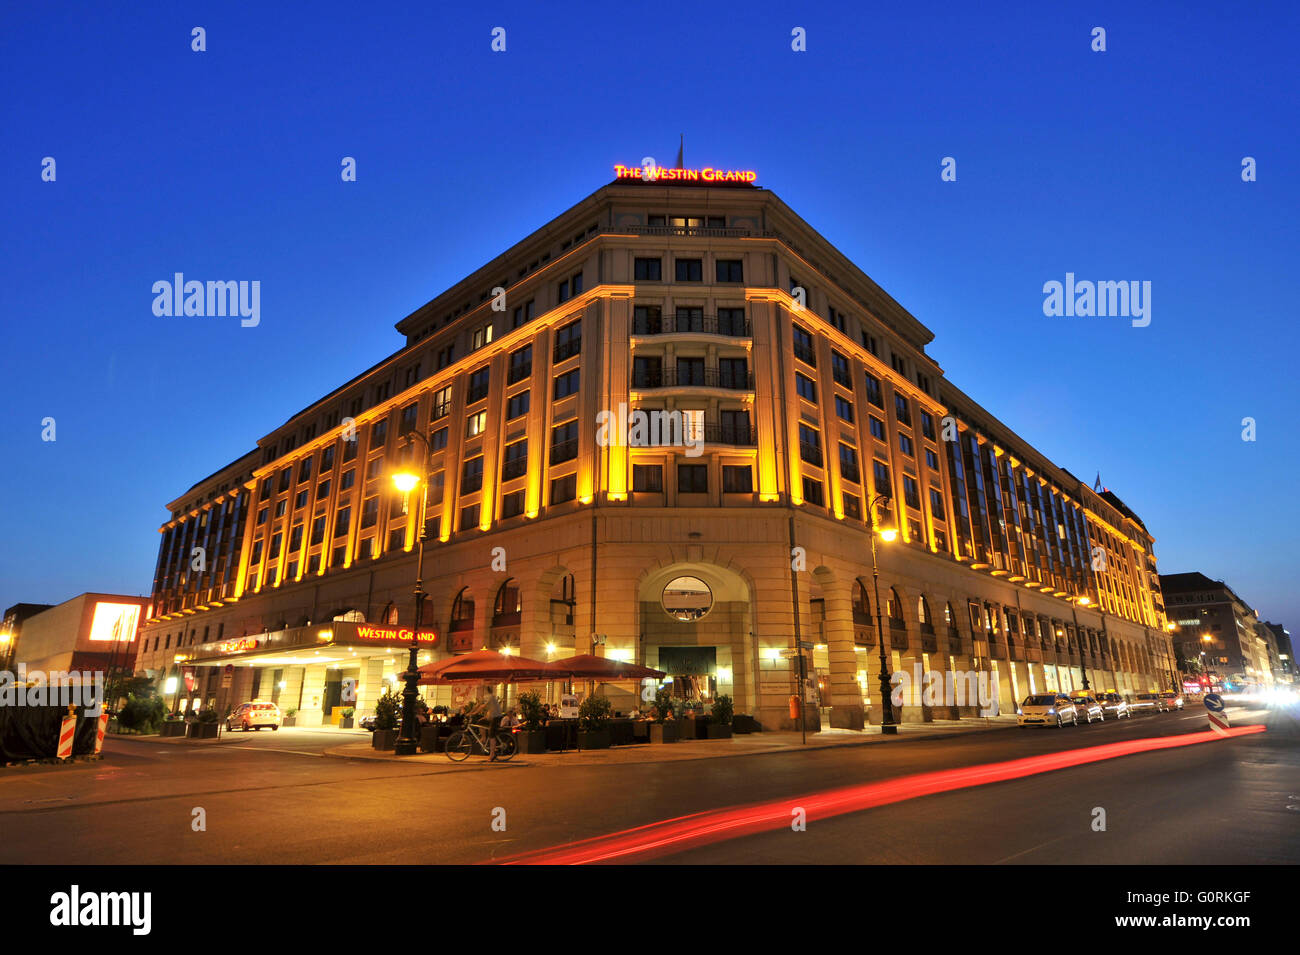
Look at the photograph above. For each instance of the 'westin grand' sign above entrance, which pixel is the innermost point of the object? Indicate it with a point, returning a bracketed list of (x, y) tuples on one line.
[(649, 172)]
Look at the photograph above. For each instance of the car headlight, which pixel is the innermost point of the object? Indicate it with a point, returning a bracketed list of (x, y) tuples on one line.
[(1020, 712), (1051, 711)]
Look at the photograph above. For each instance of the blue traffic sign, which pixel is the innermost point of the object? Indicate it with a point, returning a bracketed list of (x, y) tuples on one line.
[(1214, 703)]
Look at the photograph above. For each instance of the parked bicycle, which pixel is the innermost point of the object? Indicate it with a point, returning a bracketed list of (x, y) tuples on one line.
[(472, 738)]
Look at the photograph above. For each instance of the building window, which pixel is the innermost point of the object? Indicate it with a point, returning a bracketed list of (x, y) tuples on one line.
[(874, 394), (902, 410), (523, 314), (810, 445), (570, 287), (374, 468), (318, 531), (482, 336), (689, 270), (647, 320), (911, 493), (568, 341), (442, 403), (849, 464), (369, 512), (478, 385), (566, 384), (877, 428), (279, 508), (648, 478), (472, 475), (883, 483), (852, 505), (812, 492), (730, 270), (261, 516), (647, 270), (806, 387), (295, 538), (378, 434), (516, 460), (300, 500), (731, 321), (521, 364), (469, 517), (438, 439), (692, 478), (447, 355), (844, 408), (322, 490), (936, 504), (517, 405), (341, 521), (905, 444), (927, 425), (286, 479), (931, 459), (840, 370), (737, 479), (512, 504), (564, 489), (803, 346), (564, 442), (475, 423)]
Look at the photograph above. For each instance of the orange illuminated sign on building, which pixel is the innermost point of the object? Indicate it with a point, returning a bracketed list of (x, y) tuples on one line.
[(401, 634), (650, 173), (236, 646), (114, 622)]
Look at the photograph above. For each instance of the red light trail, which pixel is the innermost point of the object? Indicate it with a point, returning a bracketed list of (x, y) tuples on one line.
[(673, 835)]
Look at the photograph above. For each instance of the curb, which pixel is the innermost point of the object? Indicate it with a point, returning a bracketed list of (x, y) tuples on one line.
[(811, 747)]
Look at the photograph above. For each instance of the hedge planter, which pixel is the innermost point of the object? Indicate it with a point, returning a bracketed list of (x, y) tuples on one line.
[(431, 739), (593, 739), (384, 739), (719, 731), (289, 721), (745, 724), (534, 741), (172, 728), (663, 732), (688, 727), (203, 730), (345, 723)]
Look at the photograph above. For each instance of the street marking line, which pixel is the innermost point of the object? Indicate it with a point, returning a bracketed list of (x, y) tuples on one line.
[(696, 829)]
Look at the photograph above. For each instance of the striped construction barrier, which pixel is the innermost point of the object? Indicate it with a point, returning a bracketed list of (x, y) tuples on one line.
[(67, 730), (100, 729)]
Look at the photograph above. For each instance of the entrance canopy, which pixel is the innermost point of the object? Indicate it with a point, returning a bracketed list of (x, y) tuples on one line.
[(488, 665), (336, 642)]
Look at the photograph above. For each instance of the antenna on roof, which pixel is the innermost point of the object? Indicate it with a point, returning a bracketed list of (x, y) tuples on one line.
[(681, 149)]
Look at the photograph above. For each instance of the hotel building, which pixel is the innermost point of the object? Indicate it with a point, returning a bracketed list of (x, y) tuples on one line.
[(1216, 632), (801, 391)]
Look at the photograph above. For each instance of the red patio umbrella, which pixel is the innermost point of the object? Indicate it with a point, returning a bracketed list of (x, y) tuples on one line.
[(487, 665), (586, 666)]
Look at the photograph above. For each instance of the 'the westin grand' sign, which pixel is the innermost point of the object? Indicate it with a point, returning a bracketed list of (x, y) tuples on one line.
[(649, 172)]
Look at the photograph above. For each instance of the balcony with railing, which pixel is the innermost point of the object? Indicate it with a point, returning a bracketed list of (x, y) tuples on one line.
[(695, 323), (693, 377)]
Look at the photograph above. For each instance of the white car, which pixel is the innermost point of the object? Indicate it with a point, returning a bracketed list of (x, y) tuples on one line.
[(1089, 708), (253, 716), (1047, 709)]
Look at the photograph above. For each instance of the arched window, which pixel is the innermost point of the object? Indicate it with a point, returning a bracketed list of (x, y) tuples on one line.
[(391, 615), (351, 616), (949, 617), (508, 608), (861, 605), (922, 611), (462, 611), (894, 608), (562, 601)]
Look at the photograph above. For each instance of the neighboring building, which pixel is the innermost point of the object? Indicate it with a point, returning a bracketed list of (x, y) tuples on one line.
[(801, 390), (11, 630), (1286, 667), (1215, 629), (89, 632)]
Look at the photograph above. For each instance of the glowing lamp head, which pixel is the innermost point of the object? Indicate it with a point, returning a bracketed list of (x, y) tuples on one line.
[(1084, 601), (888, 534), (405, 481)]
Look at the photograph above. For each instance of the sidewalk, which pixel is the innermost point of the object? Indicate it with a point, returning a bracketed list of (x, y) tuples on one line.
[(749, 744)]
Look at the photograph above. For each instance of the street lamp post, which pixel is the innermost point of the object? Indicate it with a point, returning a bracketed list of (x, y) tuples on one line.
[(887, 724), (1083, 664), (407, 743)]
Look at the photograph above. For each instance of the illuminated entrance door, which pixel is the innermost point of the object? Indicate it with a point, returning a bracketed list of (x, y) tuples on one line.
[(693, 671), (333, 695)]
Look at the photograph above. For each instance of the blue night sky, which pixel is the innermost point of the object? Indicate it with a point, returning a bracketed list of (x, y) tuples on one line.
[(225, 165)]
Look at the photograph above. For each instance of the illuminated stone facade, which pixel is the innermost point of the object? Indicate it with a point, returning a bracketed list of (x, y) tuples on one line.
[(803, 389)]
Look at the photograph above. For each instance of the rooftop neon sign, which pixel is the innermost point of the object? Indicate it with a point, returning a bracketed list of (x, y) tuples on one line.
[(652, 173)]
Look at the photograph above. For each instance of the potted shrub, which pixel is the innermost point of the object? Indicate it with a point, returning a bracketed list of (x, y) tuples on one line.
[(664, 729), (346, 722), (388, 710), (531, 737), (290, 717), (743, 723), (593, 716), (204, 726), (174, 725), (720, 725)]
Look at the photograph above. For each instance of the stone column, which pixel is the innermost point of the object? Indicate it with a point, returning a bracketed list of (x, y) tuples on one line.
[(313, 695)]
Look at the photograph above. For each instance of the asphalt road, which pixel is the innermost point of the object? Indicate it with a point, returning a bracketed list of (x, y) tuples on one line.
[(274, 799)]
